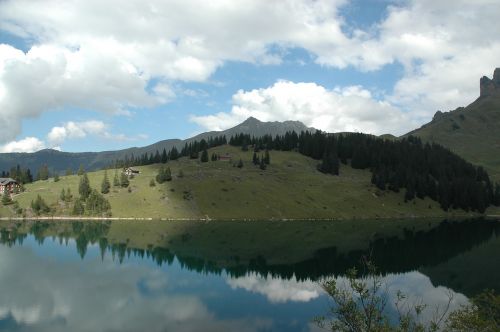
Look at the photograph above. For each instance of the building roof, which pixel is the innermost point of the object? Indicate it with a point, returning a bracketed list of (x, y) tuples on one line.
[(5, 181)]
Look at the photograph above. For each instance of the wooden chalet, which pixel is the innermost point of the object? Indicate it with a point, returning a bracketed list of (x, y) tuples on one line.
[(130, 171), (8, 184)]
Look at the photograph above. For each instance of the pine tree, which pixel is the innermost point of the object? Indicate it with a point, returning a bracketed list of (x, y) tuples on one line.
[(168, 174), (56, 177), (255, 159), (6, 200), (164, 156), (81, 170), (105, 185), (124, 183), (204, 156), (62, 196), (267, 158), (69, 196), (240, 164), (39, 206), (84, 186), (78, 208), (262, 164), (116, 179)]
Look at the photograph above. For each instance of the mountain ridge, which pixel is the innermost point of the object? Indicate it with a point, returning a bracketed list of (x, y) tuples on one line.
[(473, 131), (59, 161)]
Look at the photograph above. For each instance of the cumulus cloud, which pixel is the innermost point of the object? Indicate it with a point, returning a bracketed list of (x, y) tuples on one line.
[(104, 55), (78, 130), (28, 144), (341, 109), (278, 290)]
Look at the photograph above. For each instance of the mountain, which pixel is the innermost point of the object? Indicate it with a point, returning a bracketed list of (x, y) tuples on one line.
[(473, 132), (60, 161)]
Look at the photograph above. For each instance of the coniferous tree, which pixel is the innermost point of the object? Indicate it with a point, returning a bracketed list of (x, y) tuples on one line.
[(240, 164), (164, 156), (56, 177), (124, 182), (81, 170), (168, 174), (105, 185), (262, 164), (62, 196), (6, 199), (255, 159), (78, 208), (267, 158), (204, 156), (39, 206), (69, 196), (174, 154), (97, 204), (116, 179), (84, 186)]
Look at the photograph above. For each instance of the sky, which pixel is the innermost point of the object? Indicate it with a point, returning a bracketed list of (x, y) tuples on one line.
[(94, 75)]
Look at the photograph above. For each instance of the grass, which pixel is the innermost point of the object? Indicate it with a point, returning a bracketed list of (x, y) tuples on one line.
[(471, 132), (290, 188)]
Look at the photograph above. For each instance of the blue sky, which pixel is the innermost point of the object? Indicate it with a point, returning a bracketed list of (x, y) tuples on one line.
[(100, 75)]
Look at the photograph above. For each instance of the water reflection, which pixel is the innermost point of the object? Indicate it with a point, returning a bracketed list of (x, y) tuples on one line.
[(60, 277)]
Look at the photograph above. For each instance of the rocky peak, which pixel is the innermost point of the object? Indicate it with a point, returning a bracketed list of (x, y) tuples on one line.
[(489, 87)]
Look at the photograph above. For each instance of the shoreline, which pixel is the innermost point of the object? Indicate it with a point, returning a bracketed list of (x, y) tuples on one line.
[(73, 218)]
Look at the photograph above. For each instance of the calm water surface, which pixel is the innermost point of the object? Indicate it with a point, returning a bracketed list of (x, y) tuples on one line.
[(84, 277)]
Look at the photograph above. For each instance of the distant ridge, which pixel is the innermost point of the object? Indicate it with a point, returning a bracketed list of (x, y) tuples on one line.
[(60, 161)]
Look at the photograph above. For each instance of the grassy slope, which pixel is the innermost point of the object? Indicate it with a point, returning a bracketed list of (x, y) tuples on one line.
[(471, 132), (291, 187)]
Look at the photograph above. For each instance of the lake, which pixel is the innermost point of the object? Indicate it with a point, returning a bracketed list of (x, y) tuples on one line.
[(226, 276)]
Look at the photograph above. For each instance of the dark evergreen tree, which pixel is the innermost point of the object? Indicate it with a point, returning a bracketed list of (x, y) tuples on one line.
[(240, 164), (105, 185), (6, 200), (204, 156), (78, 208), (262, 165), (267, 157), (84, 186), (255, 159), (164, 156), (124, 182), (116, 179)]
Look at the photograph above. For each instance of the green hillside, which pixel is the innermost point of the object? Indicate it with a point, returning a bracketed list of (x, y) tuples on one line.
[(291, 187), (473, 132)]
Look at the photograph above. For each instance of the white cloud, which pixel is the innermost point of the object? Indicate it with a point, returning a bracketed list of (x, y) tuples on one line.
[(28, 144), (78, 130), (62, 300), (342, 109), (278, 290), (103, 55)]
